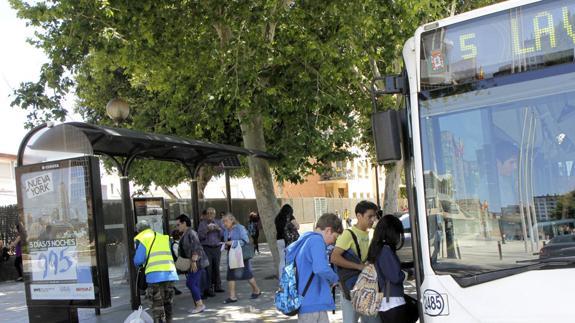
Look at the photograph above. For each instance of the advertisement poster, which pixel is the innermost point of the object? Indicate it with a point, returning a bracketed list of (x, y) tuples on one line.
[(151, 209), (60, 248)]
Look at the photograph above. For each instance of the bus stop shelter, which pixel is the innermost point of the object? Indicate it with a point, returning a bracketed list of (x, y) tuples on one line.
[(49, 142)]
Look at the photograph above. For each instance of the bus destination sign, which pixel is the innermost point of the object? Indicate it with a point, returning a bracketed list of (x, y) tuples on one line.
[(516, 40)]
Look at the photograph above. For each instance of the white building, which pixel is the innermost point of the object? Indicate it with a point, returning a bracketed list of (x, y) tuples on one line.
[(7, 179)]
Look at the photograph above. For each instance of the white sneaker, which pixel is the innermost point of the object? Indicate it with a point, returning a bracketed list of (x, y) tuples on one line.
[(197, 310)]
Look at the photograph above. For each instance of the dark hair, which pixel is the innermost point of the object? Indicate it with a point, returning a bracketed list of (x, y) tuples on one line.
[(363, 206), (284, 216), (184, 218), (388, 231), (286, 211), (329, 220)]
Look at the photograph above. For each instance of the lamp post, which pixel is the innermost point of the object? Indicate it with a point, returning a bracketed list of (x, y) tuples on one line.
[(119, 110)]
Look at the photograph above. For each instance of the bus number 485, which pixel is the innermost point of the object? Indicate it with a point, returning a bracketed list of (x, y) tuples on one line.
[(433, 303)]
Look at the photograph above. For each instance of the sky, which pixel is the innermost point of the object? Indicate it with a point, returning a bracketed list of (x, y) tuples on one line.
[(19, 62)]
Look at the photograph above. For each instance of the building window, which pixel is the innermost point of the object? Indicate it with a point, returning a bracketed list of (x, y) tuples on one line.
[(354, 195), (361, 195)]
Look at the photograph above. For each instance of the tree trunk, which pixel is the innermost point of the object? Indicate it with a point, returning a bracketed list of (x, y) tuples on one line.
[(169, 193), (392, 182), (203, 179), (268, 207)]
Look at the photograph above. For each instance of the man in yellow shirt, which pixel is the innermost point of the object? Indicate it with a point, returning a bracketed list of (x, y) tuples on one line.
[(350, 261)]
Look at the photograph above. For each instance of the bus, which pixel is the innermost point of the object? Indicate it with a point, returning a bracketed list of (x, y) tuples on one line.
[(487, 136)]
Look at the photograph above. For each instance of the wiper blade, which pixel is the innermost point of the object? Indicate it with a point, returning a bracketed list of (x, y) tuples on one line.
[(562, 260)]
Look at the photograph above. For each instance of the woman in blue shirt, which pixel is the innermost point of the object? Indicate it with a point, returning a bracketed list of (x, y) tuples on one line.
[(387, 238), (235, 234)]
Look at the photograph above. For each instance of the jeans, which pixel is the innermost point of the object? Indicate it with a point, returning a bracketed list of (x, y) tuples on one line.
[(315, 317), (214, 255), (193, 283), (18, 265), (281, 250), (351, 316)]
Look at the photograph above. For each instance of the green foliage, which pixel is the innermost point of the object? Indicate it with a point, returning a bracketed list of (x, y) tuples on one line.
[(192, 68)]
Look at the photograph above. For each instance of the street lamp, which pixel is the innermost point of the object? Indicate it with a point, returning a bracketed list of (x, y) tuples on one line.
[(118, 110)]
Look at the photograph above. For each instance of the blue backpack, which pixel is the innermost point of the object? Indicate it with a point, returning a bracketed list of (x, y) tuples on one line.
[(288, 301)]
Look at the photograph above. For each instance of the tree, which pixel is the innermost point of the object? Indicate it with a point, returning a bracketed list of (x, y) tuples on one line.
[(285, 76)]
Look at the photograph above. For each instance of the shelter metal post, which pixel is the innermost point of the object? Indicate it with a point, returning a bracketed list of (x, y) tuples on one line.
[(377, 186), (228, 190), (195, 203), (193, 171), (129, 229)]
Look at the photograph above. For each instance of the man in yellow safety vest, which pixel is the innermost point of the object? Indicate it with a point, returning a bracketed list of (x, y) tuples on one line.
[(154, 252)]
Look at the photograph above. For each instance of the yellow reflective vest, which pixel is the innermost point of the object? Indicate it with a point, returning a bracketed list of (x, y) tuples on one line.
[(160, 254)]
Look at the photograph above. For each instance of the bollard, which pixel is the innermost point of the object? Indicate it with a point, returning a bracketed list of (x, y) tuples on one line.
[(499, 249), (457, 247)]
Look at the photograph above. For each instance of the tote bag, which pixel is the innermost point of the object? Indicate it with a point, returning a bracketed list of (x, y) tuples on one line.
[(235, 257)]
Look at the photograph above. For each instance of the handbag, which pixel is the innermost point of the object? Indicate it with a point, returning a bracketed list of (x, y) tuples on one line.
[(235, 257), (183, 264), (141, 278), (248, 251)]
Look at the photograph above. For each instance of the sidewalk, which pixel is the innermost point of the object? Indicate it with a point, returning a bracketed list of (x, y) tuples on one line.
[(262, 309)]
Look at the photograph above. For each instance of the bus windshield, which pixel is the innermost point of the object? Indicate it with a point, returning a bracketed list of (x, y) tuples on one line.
[(499, 172)]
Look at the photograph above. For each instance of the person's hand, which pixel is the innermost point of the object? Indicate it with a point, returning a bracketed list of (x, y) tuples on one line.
[(194, 267), (360, 267), (228, 243)]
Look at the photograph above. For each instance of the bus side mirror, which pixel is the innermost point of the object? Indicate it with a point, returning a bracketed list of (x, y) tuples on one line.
[(387, 136)]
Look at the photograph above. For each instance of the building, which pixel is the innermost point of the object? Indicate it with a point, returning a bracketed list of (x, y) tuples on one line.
[(7, 179), (545, 206)]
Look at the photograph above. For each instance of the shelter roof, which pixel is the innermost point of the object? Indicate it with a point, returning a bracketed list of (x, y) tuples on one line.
[(89, 139)]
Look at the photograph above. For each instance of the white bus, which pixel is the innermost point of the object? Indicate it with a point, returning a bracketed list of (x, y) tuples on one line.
[(488, 133)]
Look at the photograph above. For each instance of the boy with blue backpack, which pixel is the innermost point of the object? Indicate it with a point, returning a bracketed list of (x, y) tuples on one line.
[(305, 285)]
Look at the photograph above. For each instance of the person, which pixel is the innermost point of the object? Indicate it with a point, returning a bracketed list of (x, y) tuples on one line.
[(284, 216), (254, 229), (350, 260), (47, 234), (176, 235), (310, 255), (387, 238), (153, 251), (234, 235), (190, 248), (211, 234), (17, 245), (347, 217)]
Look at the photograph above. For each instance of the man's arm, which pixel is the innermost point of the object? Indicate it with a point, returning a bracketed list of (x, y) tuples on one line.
[(338, 260), (203, 231), (320, 265), (140, 255), (15, 242)]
